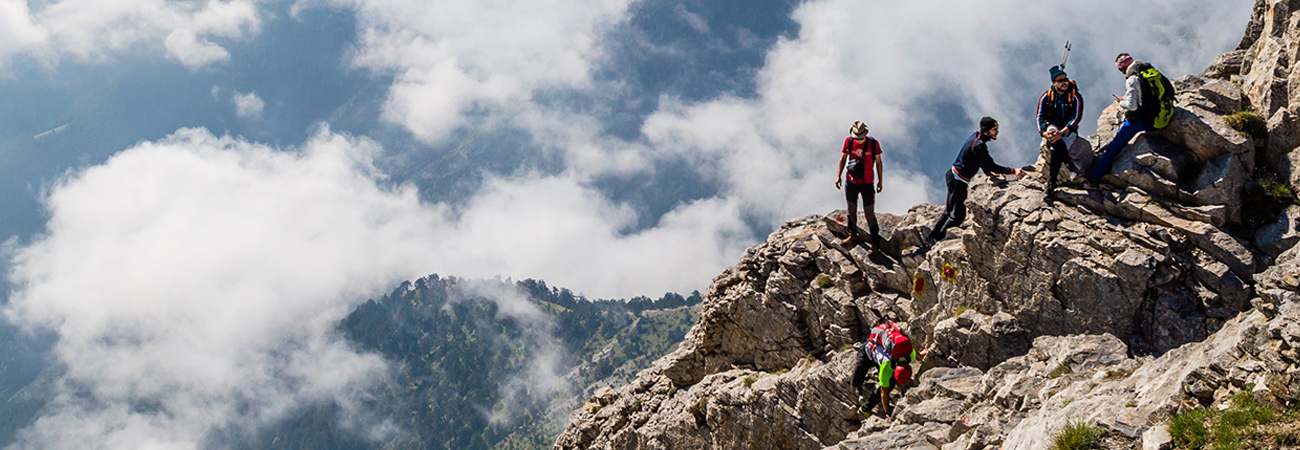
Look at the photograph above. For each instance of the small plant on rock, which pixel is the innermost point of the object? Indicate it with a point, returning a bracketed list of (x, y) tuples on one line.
[(1063, 369), (1246, 122), (824, 281), (749, 381), (1077, 436)]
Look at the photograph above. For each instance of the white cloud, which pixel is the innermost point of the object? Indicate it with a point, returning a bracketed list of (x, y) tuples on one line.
[(202, 277), (97, 30), (186, 47), (248, 106), (454, 57), (205, 276)]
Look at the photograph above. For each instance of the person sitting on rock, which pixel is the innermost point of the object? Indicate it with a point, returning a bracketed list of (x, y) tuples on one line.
[(974, 155), (860, 153), (1147, 104), (889, 350), (1059, 111)]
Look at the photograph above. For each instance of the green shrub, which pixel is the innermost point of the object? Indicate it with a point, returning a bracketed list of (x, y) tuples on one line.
[(1246, 122), (1077, 436), (1188, 428), (959, 310), (749, 381), (824, 281), (1226, 428), (1063, 369)]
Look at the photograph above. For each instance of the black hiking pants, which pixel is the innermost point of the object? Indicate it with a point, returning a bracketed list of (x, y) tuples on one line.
[(955, 211), (1060, 155), (868, 193), (861, 368)]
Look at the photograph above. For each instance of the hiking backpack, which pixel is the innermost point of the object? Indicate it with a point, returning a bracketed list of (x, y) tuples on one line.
[(887, 336), (1157, 95)]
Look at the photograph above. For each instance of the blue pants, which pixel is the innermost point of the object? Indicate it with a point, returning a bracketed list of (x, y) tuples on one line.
[(1111, 150)]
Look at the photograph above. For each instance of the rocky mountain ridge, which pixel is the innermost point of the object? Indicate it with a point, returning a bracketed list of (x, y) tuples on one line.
[(1118, 306)]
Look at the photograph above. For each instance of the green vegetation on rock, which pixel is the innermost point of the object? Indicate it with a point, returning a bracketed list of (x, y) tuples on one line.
[(1077, 436)]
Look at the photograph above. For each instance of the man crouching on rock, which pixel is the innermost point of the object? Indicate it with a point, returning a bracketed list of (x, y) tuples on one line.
[(890, 351)]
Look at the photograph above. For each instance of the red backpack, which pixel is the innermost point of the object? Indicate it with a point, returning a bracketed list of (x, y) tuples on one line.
[(892, 340)]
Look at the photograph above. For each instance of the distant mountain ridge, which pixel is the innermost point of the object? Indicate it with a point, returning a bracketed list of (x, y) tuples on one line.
[(476, 364)]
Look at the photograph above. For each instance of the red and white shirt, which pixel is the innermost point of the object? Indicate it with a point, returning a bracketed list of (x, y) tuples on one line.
[(865, 151)]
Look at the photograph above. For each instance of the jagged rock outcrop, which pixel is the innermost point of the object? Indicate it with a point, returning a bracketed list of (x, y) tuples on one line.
[(1117, 306)]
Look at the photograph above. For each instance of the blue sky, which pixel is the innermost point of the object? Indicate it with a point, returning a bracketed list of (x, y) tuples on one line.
[(285, 159)]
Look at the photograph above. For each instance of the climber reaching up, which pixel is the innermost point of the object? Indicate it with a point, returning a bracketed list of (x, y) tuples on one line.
[(973, 157), (860, 153), (890, 351)]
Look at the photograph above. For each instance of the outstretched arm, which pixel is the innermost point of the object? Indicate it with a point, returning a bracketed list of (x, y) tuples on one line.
[(884, 402)]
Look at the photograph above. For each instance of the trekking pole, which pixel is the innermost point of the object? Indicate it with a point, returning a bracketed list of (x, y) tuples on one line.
[(1066, 56)]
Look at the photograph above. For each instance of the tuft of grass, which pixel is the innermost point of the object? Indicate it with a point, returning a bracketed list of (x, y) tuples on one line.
[(1223, 430), (749, 381), (596, 408), (959, 310), (1063, 369), (1132, 404), (847, 346), (672, 390), (1077, 436), (781, 371), (824, 281), (1247, 122), (636, 405), (1188, 428)]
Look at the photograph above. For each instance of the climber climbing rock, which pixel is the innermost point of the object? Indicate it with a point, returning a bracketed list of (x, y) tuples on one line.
[(890, 351), (1059, 112), (860, 153), (1148, 105), (973, 156)]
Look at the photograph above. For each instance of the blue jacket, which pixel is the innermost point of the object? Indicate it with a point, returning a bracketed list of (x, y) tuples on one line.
[(1062, 110), (974, 155)]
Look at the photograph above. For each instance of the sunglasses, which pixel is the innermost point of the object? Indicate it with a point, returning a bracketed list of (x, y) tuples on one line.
[(1061, 80)]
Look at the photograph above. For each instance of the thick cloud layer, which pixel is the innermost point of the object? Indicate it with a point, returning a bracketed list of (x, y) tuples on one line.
[(195, 282)]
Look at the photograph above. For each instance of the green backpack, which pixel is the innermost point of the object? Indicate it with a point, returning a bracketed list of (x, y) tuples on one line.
[(1157, 96)]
